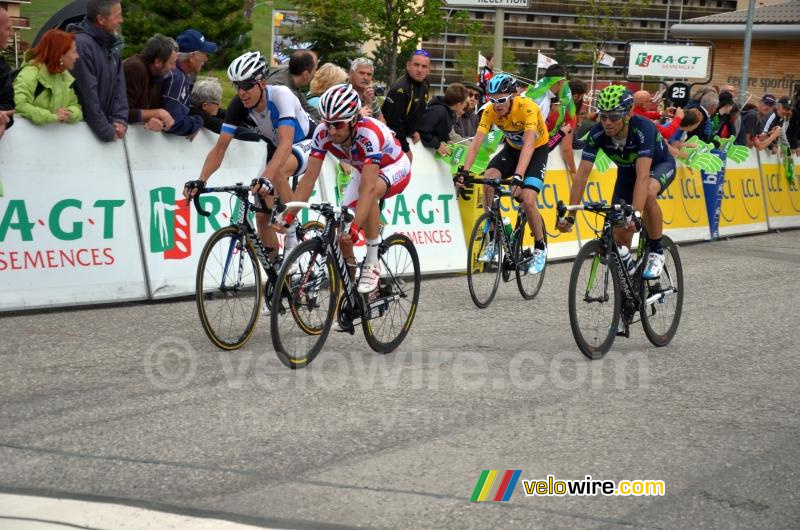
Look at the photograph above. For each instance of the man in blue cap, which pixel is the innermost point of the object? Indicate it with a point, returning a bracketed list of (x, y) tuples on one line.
[(193, 50)]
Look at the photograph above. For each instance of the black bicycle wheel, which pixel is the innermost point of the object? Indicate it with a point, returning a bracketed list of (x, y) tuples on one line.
[(393, 306), (303, 305), (528, 284), (482, 277), (662, 299), (228, 288), (595, 301)]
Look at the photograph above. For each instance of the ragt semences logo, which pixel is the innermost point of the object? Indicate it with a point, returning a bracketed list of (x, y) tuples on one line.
[(170, 231), (495, 485), (643, 59)]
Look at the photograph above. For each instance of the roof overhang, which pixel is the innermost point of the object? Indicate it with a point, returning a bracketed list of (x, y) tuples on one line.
[(736, 31)]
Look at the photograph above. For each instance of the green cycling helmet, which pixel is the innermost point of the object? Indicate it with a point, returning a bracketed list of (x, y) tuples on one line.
[(614, 98)]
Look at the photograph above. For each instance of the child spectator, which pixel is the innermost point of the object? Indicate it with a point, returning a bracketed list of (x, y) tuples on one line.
[(43, 89), (440, 116)]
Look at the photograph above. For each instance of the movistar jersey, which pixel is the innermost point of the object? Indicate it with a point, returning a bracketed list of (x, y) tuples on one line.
[(643, 140)]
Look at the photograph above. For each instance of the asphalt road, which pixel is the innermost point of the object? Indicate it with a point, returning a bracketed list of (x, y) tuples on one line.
[(132, 404)]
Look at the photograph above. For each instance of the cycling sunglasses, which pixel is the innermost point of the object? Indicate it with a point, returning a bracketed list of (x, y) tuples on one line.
[(611, 116), (245, 85), (338, 125), (499, 101), (424, 53)]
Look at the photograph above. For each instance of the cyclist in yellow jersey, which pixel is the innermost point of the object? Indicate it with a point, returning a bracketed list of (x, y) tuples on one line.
[(523, 157)]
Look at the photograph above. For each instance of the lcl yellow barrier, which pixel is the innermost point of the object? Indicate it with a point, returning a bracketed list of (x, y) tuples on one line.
[(782, 200)]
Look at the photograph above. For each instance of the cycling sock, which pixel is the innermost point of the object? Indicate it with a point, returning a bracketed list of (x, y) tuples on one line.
[(655, 245), (540, 244), (372, 250), (290, 240)]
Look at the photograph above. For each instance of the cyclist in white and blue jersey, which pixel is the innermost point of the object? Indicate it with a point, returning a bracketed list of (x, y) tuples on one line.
[(281, 122)]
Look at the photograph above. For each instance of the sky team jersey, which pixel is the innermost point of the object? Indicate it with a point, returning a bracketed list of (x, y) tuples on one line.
[(373, 143), (643, 140), (524, 116), (283, 108)]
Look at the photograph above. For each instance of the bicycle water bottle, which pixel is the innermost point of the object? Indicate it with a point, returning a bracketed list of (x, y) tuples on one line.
[(507, 227), (627, 261)]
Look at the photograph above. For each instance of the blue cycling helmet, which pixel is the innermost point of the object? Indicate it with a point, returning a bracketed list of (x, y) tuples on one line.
[(501, 84)]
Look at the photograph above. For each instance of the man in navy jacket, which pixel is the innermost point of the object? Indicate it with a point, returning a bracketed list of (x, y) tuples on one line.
[(193, 50)]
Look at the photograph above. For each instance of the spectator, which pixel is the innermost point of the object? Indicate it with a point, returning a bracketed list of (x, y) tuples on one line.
[(406, 100), (641, 99), (301, 70), (793, 131), (551, 99), (99, 76), (768, 129), (708, 104), (193, 50), (205, 101), (144, 73), (578, 90), (467, 124), (6, 88), (361, 71), (729, 88), (327, 75), (727, 116), (440, 117), (43, 90), (689, 122)]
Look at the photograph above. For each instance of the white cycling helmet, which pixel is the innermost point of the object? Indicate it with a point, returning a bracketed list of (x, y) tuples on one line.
[(249, 66), (339, 103)]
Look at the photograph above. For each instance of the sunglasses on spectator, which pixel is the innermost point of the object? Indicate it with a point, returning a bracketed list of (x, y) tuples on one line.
[(424, 53), (245, 85), (499, 101), (474, 95), (611, 116), (338, 125)]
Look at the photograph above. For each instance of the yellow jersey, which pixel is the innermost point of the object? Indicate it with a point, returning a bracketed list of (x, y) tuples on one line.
[(525, 115)]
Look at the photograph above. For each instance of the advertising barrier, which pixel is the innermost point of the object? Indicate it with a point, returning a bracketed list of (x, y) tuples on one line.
[(742, 210), (684, 208), (173, 232), (73, 212), (782, 198), (67, 227)]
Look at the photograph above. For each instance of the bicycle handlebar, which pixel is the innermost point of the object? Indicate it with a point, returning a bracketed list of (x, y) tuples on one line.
[(324, 208), (596, 207)]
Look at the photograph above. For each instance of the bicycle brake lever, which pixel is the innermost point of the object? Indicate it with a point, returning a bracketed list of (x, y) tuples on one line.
[(200, 210)]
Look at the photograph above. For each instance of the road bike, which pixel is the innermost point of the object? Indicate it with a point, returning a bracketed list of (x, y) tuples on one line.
[(511, 254), (604, 292), (320, 289), (228, 283)]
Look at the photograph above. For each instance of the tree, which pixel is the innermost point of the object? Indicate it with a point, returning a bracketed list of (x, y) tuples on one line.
[(332, 28), (467, 58), (220, 21), (601, 22), (393, 21), (380, 57)]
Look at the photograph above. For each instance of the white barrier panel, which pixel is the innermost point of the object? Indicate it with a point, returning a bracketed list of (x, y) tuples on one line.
[(743, 208), (67, 228), (782, 198), (174, 234), (426, 212)]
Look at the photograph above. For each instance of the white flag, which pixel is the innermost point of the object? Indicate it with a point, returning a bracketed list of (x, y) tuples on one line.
[(543, 61), (481, 61), (605, 59)]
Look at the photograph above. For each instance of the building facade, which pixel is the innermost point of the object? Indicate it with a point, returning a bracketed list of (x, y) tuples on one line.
[(544, 24)]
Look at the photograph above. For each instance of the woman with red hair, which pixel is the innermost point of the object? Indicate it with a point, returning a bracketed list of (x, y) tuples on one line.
[(43, 90)]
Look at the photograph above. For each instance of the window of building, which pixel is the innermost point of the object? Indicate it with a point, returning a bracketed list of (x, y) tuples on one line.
[(554, 20), (576, 45), (451, 39), (479, 15), (643, 23), (531, 18)]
